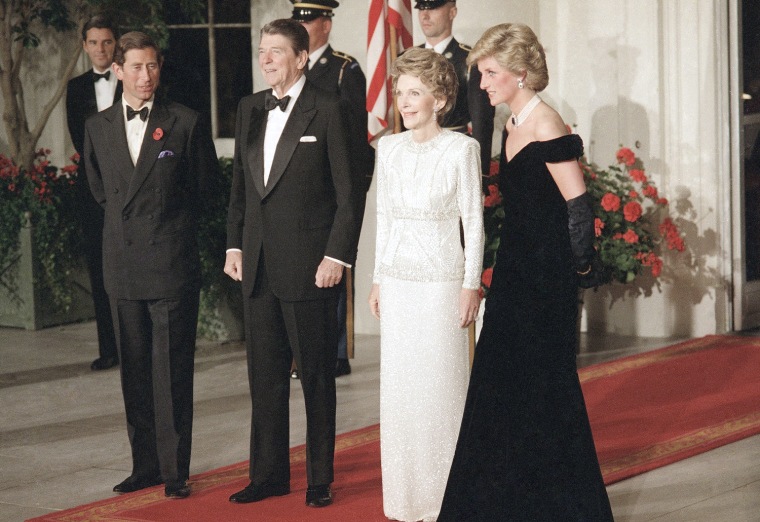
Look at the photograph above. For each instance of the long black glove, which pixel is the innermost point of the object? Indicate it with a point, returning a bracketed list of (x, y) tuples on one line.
[(580, 213)]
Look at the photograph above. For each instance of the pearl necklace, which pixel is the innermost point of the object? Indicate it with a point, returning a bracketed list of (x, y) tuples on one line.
[(525, 112)]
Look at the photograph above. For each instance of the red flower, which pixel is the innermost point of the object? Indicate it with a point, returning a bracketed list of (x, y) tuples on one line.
[(650, 191), (158, 134), (650, 259), (626, 155), (633, 194), (610, 202), (669, 231), (493, 198), (598, 227), (632, 211), (493, 169), (637, 175), (657, 267), (630, 236), (486, 277), (662, 201)]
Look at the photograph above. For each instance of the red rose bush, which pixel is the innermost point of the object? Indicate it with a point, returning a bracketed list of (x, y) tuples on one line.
[(631, 218)]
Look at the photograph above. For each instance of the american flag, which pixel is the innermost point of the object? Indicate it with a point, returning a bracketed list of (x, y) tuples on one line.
[(384, 14)]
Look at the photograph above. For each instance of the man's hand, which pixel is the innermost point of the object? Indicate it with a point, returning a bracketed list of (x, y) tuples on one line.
[(329, 273), (233, 265)]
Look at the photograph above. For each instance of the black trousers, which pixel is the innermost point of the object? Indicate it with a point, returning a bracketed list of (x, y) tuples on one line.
[(156, 341), (91, 217), (276, 332)]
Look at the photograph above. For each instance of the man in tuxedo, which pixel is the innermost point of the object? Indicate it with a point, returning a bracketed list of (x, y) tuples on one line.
[(94, 91), (339, 73), (436, 19), (147, 163), (292, 227)]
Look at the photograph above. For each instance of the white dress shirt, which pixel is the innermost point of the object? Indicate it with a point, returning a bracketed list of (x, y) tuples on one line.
[(105, 89), (136, 129), (276, 120), (440, 46)]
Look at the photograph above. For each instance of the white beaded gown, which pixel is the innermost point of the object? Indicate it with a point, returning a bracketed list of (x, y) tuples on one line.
[(423, 191)]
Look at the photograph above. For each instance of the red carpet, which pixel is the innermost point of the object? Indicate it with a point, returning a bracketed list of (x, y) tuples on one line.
[(660, 407), (646, 411)]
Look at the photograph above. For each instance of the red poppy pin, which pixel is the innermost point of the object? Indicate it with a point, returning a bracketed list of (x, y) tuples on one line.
[(158, 134)]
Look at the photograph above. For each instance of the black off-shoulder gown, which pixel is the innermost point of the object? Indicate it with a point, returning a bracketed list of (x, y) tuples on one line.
[(525, 450)]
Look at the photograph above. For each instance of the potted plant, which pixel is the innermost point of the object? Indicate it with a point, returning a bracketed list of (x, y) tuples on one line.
[(40, 245), (221, 309), (632, 223)]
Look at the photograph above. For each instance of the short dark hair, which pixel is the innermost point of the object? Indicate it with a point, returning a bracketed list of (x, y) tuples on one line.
[(135, 40), (290, 29), (100, 21)]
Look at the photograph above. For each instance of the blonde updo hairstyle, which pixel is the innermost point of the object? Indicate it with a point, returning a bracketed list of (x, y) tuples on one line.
[(434, 71), (515, 48)]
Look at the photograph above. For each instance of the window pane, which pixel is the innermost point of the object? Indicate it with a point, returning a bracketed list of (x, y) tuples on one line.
[(233, 73), (185, 74), (232, 11), (751, 52), (176, 15)]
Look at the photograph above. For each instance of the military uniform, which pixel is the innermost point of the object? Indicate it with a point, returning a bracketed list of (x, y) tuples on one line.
[(340, 73), (472, 103)]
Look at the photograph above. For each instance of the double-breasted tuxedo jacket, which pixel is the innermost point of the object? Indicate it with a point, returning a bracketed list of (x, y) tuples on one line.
[(150, 246), (81, 103), (311, 206), (152, 272)]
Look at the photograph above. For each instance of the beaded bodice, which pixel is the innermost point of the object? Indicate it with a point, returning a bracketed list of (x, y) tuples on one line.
[(423, 191)]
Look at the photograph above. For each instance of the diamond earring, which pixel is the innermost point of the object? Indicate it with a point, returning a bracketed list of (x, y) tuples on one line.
[(520, 84)]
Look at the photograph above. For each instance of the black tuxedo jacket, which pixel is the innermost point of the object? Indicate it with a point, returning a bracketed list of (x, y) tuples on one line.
[(472, 104), (311, 206), (150, 246), (81, 104)]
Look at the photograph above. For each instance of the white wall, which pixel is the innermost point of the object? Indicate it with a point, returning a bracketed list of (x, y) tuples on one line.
[(647, 74), (650, 74)]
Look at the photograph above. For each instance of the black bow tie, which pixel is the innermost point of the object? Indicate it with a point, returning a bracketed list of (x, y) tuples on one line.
[(131, 113), (96, 76), (271, 101)]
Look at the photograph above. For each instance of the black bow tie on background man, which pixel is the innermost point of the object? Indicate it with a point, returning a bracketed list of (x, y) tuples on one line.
[(97, 76), (131, 113), (271, 101)]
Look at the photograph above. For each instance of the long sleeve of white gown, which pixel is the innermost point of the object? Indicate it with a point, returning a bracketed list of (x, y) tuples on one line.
[(470, 200)]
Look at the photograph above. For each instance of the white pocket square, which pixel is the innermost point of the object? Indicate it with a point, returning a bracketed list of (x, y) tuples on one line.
[(308, 139)]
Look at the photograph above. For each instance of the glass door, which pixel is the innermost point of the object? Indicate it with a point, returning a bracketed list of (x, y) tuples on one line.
[(746, 152)]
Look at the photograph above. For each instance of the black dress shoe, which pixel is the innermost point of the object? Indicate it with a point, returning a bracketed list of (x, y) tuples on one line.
[(318, 496), (177, 490), (342, 367), (294, 374), (104, 363), (253, 493), (133, 483)]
